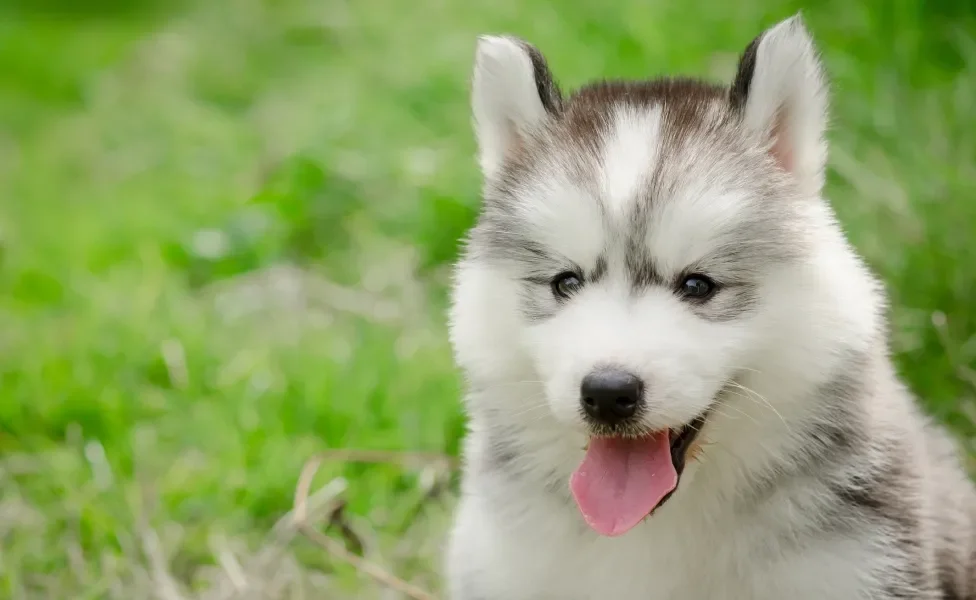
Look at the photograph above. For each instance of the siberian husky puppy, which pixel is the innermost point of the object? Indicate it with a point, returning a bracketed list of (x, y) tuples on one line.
[(679, 384)]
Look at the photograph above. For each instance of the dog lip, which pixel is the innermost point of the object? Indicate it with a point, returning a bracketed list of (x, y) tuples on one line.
[(681, 441), (683, 437)]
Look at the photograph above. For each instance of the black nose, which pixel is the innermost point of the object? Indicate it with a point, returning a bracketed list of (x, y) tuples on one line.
[(610, 396)]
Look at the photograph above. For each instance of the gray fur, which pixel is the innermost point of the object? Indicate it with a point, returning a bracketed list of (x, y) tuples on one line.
[(501, 237), (859, 471)]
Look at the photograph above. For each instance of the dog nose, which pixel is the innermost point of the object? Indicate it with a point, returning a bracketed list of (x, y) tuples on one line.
[(610, 396)]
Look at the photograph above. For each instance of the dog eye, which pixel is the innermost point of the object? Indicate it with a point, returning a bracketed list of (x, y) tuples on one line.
[(566, 284), (698, 287)]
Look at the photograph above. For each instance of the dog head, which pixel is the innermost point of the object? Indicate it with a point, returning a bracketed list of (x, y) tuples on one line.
[(641, 243)]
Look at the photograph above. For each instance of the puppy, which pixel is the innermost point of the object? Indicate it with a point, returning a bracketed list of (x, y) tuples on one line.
[(679, 384)]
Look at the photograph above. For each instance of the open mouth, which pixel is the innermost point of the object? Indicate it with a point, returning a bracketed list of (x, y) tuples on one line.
[(622, 480)]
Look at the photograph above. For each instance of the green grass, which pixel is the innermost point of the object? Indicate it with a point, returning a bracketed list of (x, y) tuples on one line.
[(225, 231)]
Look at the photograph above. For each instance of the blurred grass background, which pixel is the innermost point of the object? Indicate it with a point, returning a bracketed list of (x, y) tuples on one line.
[(226, 230)]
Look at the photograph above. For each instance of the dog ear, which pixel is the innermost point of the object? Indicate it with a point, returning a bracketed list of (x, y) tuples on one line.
[(780, 94), (513, 94)]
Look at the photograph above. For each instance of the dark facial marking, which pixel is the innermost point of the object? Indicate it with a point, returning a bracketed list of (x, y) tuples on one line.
[(500, 237), (730, 302), (640, 265), (581, 123), (599, 270), (588, 112), (642, 272)]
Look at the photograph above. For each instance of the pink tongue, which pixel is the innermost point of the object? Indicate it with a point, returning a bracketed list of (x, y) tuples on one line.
[(620, 481)]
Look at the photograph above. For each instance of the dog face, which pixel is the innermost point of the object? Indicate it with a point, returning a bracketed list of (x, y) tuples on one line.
[(637, 238)]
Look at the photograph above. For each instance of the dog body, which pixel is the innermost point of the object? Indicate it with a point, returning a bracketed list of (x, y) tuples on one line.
[(657, 313)]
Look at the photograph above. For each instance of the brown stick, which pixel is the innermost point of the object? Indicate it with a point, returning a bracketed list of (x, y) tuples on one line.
[(338, 550)]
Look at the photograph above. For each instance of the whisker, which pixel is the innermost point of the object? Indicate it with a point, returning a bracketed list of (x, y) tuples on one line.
[(759, 398), (530, 409), (717, 411)]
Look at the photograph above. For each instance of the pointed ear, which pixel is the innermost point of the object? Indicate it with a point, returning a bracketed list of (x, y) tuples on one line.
[(513, 94), (780, 93)]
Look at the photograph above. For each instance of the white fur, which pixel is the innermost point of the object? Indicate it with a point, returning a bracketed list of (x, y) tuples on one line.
[(633, 145), (504, 99), (690, 549), (789, 84), (563, 214), (515, 540)]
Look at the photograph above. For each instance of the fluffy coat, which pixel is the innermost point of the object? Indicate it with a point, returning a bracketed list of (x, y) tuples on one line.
[(814, 475)]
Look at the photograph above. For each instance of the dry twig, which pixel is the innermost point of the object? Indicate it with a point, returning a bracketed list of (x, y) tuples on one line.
[(337, 549), (322, 502)]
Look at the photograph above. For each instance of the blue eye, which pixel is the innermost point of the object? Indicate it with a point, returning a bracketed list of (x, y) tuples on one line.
[(566, 284), (698, 287)]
